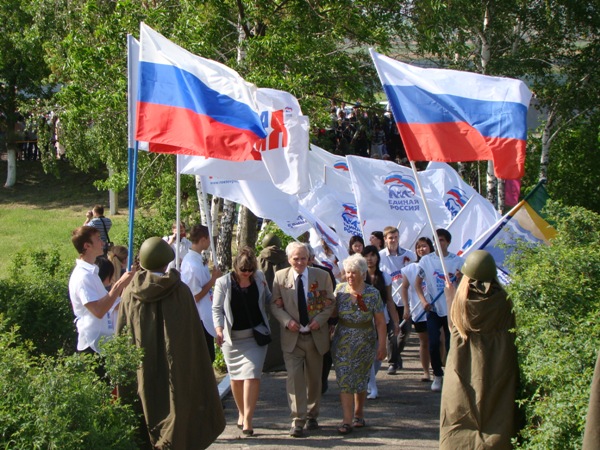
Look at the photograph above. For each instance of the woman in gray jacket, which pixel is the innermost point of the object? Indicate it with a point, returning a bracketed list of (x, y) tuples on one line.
[(239, 315)]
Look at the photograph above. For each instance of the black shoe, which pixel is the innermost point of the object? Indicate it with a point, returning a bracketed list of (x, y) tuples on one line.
[(296, 431), (312, 424), (248, 432)]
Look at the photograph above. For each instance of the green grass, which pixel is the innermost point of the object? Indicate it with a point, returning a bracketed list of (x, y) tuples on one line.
[(40, 211)]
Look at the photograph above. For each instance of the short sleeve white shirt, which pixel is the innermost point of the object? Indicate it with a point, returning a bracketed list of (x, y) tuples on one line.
[(410, 273), (85, 287), (196, 275), (393, 265), (430, 269)]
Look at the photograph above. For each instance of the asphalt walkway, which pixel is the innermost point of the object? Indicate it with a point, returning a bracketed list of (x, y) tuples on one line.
[(406, 414)]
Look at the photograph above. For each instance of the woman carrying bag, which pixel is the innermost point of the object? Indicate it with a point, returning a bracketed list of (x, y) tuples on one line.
[(242, 326)]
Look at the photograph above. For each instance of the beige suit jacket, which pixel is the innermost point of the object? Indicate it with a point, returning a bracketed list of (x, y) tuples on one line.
[(284, 288)]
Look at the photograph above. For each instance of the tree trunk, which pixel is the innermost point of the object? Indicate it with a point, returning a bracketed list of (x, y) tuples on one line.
[(203, 218), (246, 228), (11, 169), (546, 141), (224, 243), (501, 196), (216, 204), (491, 184), (113, 197)]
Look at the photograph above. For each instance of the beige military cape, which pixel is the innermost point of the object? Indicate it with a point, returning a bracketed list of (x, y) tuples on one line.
[(176, 382), (591, 437), (478, 396)]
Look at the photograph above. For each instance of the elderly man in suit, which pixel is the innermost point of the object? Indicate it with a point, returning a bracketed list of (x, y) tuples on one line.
[(303, 302)]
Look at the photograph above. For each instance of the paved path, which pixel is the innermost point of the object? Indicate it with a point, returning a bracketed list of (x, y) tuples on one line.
[(406, 415)]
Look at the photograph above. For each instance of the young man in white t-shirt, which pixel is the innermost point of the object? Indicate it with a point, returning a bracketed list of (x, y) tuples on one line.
[(91, 303), (430, 271), (196, 274), (393, 259)]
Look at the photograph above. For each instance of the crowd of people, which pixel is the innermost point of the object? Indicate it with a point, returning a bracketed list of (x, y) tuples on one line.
[(352, 320), (355, 130), (27, 132)]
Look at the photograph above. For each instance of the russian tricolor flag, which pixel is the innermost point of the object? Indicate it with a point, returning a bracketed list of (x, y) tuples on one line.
[(451, 116), (191, 105)]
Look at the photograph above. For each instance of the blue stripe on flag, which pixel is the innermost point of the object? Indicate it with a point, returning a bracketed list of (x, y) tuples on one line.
[(492, 119), (171, 86)]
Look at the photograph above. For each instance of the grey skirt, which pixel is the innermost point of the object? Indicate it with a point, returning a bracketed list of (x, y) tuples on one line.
[(244, 357)]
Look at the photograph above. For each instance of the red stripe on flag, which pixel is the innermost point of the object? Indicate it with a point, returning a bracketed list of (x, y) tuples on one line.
[(458, 142), (185, 132)]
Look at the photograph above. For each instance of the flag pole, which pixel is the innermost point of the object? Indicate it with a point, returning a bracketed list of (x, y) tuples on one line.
[(430, 220), (177, 212), (132, 156), (132, 144)]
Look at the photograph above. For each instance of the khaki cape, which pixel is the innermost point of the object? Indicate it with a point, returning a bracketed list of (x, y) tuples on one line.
[(176, 382), (478, 396), (591, 437)]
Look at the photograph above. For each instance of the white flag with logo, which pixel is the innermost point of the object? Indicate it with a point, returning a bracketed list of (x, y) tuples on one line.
[(387, 194)]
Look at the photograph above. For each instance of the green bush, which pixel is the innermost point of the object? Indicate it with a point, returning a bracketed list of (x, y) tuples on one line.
[(35, 298), (59, 402), (555, 293)]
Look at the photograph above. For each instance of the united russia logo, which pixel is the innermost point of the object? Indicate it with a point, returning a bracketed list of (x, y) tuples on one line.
[(455, 199), (401, 192), (341, 165), (350, 219)]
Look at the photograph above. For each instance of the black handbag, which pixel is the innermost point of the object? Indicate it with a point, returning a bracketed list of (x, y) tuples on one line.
[(261, 339)]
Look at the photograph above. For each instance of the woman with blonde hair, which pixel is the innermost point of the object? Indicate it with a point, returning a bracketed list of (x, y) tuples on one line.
[(242, 328), (478, 396)]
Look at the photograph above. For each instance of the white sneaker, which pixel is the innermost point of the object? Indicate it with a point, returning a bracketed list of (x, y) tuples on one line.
[(372, 395), (436, 386)]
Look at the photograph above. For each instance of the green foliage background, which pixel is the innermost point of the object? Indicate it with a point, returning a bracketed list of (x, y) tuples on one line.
[(555, 292)]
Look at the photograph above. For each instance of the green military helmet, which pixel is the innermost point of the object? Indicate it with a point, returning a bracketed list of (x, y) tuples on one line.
[(480, 266), (271, 239), (155, 253)]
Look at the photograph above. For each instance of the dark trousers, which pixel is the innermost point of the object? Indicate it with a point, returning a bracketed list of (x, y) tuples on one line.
[(327, 363), (210, 344), (434, 323), (396, 344)]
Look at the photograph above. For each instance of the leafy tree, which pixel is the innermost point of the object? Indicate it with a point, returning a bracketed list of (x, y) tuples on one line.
[(280, 45), (21, 70), (554, 289), (574, 175)]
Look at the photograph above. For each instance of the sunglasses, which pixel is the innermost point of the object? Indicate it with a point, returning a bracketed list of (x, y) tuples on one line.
[(247, 270)]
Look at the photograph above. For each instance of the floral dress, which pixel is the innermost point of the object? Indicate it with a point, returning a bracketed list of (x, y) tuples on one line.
[(354, 343)]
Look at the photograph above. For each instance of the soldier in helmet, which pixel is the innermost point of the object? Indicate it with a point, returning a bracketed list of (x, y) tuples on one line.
[(176, 382), (272, 258), (478, 396)]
